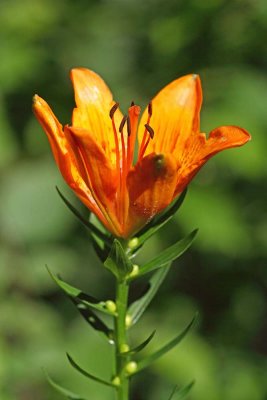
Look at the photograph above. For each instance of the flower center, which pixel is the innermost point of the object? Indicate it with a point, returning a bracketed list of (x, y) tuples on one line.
[(125, 144)]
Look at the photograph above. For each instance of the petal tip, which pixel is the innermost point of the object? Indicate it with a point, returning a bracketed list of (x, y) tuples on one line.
[(38, 103), (246, 135), (35, 99)]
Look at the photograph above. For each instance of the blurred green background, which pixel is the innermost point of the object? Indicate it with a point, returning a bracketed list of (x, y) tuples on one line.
[(138, 47)]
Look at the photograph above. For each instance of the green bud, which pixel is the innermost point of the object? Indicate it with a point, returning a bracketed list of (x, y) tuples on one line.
[(111, 306), (131, 367), (133, 243), (128, 321), (124, 348), (135, 271), (116, 381)]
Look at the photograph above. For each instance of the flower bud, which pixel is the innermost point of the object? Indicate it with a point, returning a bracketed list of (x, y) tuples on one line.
[(135, 271), (133, 243), (124, 348), (116, 381), (111, 306), (131, 367), (128, 320)]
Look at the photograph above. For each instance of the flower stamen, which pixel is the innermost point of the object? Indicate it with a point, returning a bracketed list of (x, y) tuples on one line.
[(150, 131), (145, 140), (113, 109), (151, 135), (117, 149)]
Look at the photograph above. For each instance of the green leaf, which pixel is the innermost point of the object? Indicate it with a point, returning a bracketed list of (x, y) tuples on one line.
[(159, 353), (87, 374), (183, 392), (159, 221), (101, 251), (80, 296), (118, 262), (86, 223), (141, 346), (70, 395), (84, 303), (168, 255), (93, 319), (138, 307)]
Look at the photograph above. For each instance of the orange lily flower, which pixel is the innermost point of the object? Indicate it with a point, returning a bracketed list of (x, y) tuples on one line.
[(96, 153)]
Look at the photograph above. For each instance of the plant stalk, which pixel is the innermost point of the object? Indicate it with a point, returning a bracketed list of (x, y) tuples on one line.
[(122, 290)]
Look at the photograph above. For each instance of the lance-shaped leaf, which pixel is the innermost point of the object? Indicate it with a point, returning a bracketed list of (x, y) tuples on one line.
[(183, 392), (118, 262), (170, 345), (88, 374), (141, 346), (93, 319), (138, 307), (102, 250), (86, 223), (159, 221), (169, 254), (70, 395), (84, 305), (79, 296)]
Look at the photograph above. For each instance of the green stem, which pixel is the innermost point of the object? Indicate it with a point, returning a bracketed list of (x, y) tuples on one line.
[(122, 289)]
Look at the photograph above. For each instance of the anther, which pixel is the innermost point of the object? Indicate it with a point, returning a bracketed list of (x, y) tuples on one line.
[(113, 110), (132, 104), (123, 121), (128, 126), (150, 130), (149, 108)]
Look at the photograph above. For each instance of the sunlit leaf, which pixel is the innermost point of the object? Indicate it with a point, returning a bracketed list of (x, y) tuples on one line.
[(79, 296), (167, 347), (87, 374), (168, 255), (84, 304), (93, 319), (138, 307)]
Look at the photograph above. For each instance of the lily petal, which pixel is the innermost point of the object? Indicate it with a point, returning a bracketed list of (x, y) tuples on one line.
[(94, 101), (198, 150), (175, 114), (102, 177), (63, 153), (151, 185)]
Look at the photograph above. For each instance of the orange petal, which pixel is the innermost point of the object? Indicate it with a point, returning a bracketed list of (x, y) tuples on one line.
[(175, 114), (151, 186), (198, 150), (63, 153), (94, 101), (101, 175)]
